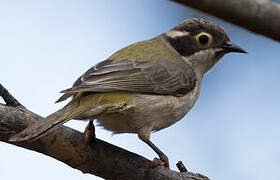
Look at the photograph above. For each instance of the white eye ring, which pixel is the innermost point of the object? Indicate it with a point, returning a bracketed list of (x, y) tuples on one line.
[(204, 39)]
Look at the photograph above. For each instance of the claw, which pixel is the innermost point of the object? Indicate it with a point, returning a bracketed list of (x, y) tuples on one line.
[(165, 160), (89, 133), (158, 162), (166, 164)]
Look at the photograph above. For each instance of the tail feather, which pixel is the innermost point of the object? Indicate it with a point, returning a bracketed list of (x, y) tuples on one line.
[(42, 127), (71, 110), (85, 106)]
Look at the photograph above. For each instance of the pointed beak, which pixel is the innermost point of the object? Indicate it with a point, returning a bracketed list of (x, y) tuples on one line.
[(230, 47)]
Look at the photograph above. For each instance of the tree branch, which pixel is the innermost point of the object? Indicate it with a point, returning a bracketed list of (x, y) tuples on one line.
[(259, 16), (67, 145), (8, 98)]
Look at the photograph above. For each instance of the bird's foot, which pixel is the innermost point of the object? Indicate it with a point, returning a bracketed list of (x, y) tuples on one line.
[(89, 133), (159, 162)]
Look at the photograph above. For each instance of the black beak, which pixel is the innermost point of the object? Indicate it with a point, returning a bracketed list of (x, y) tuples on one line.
[(230, 47)]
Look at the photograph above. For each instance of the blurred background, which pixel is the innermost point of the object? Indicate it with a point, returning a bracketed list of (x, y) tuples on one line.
[(231, 133)]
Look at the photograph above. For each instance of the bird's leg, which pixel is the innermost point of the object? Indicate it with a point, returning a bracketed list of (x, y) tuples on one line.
[(163, 161), (161, 155), (89, 133)]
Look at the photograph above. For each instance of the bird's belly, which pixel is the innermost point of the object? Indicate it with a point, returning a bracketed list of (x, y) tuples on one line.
[(154, 112)]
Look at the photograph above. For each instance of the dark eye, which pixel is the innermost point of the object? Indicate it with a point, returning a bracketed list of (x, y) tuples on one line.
[(203, 39)]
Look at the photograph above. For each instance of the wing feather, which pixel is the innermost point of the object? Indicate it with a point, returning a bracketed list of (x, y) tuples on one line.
[(159, 77)]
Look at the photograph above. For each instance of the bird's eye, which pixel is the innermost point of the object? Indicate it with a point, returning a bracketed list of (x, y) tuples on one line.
[(203, 39)]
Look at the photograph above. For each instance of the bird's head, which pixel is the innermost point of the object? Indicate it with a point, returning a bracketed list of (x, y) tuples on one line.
[(200, 42)]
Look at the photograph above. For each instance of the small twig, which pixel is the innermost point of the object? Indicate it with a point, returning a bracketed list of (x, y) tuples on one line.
[(8, 98), (181, 166), (195, 176)]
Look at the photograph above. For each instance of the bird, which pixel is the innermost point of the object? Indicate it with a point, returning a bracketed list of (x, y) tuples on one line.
[(144, 87)]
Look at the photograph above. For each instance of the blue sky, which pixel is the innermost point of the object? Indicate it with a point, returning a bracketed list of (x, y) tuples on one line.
[(231, 133)]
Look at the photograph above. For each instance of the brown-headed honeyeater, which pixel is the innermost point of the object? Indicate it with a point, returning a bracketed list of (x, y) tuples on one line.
[(144, 87)]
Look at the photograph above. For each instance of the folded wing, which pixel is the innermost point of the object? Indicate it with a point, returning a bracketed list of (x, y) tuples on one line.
[(159, 77)]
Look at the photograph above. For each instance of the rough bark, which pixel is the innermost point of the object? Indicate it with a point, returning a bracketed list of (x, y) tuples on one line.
[(259, 16), (67, 145)]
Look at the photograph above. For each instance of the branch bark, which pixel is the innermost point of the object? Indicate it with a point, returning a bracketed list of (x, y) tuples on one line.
[(67, 145), (259, 16)]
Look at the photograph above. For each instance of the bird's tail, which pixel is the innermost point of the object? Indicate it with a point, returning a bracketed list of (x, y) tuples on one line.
[(42, 127), (38, 129)]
